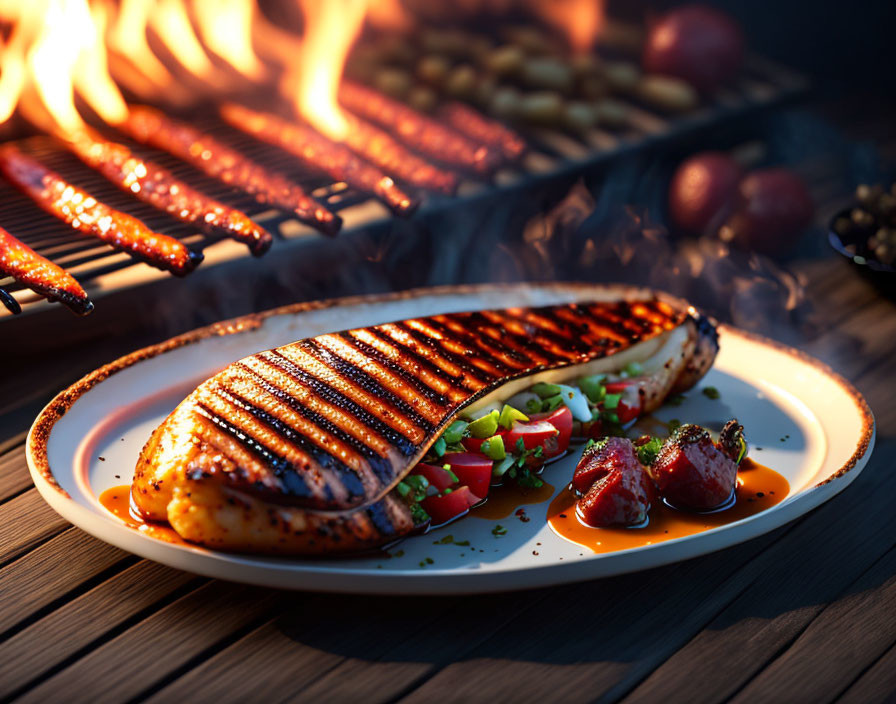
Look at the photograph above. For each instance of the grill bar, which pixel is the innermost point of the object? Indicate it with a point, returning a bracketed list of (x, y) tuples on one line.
[(153, 128), (320, 153), (550, 154)]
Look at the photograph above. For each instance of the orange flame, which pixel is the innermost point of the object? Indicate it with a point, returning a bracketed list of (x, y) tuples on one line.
[(56, 51), (580, 20), (331, 27)]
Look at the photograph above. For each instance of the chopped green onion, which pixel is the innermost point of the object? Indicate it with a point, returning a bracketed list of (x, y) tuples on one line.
[(509, 415), (403, 489), (455, 432), (674, 424), (648, 452), (527, 480), (611, 401), (593, 387), (612, 417), (493, 448), (501, 467), (533, 405), (545, 390), (447, 468), (439, 447), (711, 392), (499, 530), (418, 514), (416, 481), (634, 369), (552, 403), (675, 400), (484, 427)]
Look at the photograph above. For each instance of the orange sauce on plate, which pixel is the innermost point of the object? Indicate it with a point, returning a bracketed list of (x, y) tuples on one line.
[(117, 501), (758, 488), (505, 499)]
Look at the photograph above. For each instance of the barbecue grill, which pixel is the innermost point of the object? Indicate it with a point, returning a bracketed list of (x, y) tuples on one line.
[(553, 156)]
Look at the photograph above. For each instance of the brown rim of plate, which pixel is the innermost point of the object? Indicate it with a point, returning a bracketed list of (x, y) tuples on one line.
[(40, 431)]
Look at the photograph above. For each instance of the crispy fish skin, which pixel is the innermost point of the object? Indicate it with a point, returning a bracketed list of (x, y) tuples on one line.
[(294, 450)]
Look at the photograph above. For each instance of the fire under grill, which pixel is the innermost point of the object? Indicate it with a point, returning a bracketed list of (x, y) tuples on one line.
[(552, 154)]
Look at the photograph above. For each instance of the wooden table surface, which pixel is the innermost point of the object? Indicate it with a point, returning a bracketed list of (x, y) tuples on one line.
[(805, 613)]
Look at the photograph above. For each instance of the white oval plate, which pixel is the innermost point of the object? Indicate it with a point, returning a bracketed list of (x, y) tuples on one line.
[(776, 392)]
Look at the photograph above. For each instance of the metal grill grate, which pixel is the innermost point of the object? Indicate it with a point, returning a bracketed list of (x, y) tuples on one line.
[(552, 154)]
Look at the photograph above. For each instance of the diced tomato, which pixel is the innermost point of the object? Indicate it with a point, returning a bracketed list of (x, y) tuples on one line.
[(472, 469), (436, 476), (474, 444), (448, 506), (533, 434), (561, 419), (629, 406)]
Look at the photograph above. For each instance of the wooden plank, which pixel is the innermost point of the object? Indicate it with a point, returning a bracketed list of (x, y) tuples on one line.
[(150, 651), (50, 571), (68, 629), (26, 521), (848, 637), (877, 684), (12, 442), (14, 475), (841, 540), (583, 639)]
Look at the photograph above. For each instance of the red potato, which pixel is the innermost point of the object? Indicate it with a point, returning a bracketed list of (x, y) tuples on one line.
[(692, 472), (696, 43), (703, 192), (619, 492), (772, 210)]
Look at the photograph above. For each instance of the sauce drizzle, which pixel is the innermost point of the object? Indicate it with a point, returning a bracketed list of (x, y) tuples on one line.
[(117, 501), (758, 488)]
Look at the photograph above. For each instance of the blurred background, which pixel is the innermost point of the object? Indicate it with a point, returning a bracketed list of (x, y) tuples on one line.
[(718, 151)]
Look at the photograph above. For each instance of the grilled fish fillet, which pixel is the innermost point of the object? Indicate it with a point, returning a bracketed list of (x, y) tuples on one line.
[(295, 450)]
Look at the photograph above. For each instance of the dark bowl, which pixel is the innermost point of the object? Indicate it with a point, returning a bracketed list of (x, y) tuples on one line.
[(854, 247)]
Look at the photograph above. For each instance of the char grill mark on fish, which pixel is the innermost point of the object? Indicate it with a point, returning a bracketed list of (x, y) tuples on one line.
[(154, 185), (320, 153), (41, 275), (419, 131), (332, 422), (214, 158), (336, 399), (86, 214)]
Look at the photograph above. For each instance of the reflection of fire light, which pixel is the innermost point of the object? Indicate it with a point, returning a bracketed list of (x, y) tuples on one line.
[(580, 20), (58, 49)]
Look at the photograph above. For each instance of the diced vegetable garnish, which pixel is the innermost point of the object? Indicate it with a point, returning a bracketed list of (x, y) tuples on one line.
[(438, 477), (576, 402), (648, 451), (533, 434), (455, 432), (562, 420), (500, 468), (633, 369), (472, 470), (440, 446), (484, 427), (509, 415), (493, 448), (593, 387), (449, 506), (546, 390)]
